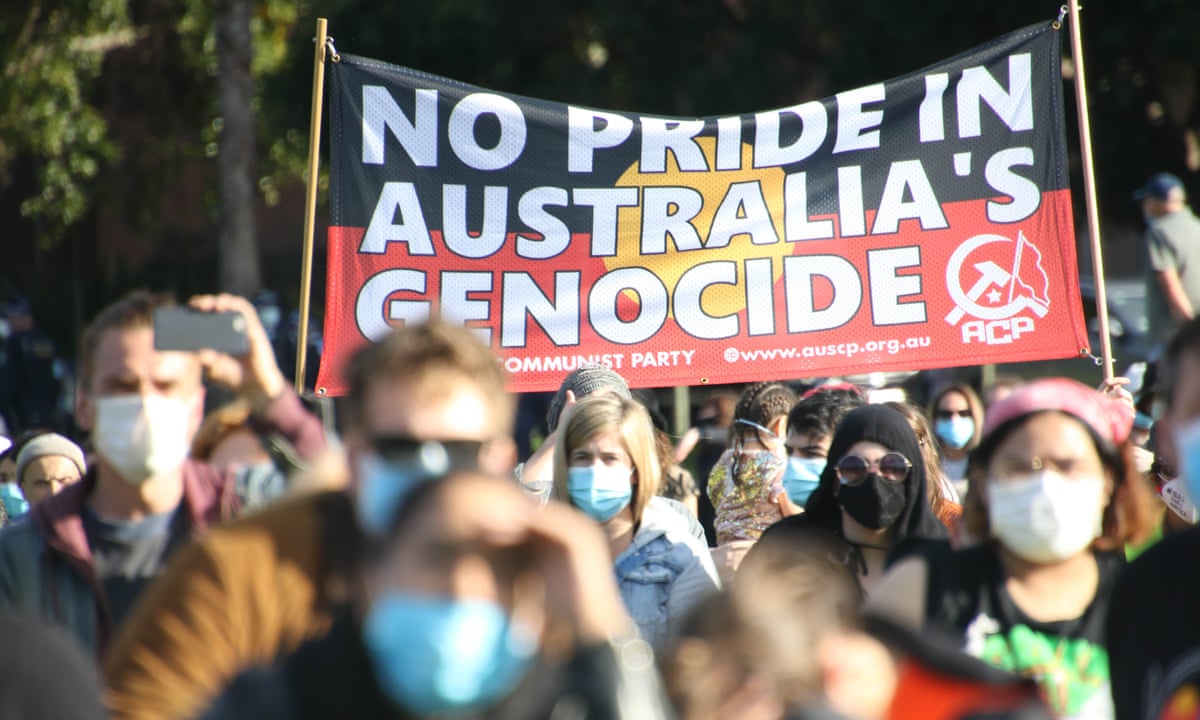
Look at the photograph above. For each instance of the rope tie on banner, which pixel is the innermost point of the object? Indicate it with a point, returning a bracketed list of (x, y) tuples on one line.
[(333, 53), (1062, 13)]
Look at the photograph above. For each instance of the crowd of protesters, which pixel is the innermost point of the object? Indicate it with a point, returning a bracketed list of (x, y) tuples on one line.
[(1021, 550)]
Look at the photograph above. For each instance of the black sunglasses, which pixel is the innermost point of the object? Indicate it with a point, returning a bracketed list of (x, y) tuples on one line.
[(946, 414), (432, 457), (853, 469)]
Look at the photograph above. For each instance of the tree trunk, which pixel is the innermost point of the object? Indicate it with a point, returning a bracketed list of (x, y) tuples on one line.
[(237, 264)]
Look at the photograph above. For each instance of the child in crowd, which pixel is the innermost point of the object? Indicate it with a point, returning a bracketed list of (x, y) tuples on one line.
[(746, 484)]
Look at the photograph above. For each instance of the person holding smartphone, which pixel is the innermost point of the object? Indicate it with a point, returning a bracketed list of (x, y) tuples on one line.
[(86, 554)]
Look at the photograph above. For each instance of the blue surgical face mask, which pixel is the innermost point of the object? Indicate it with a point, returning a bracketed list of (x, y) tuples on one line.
[(600, 491), (386, 476), (382, 486), (801, 477), (436, 656), (1187, 444), (14, 501), (954, 432)]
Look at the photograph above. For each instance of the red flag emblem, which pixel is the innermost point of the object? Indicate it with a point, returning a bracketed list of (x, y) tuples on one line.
[(1028, 276)]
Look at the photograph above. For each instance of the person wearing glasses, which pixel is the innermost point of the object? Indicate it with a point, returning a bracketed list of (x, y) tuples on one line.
[(956, 413), (1054, 497), (872, 493)]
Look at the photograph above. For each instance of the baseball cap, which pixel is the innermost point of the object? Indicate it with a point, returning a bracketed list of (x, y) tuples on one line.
[(1159, 187)]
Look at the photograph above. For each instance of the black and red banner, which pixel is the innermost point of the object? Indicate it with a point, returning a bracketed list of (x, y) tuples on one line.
[(915, 223)]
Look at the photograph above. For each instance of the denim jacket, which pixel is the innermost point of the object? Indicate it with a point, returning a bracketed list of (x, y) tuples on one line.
[(663, 573)]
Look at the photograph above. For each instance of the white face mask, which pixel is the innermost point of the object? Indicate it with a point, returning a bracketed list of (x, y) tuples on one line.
[(141, 436), (1045, 517)]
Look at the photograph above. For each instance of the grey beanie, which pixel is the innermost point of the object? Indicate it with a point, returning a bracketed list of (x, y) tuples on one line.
[(49, 444), (583, 382)]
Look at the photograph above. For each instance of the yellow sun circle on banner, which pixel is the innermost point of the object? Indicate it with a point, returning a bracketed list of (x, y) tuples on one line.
[(713, 186)]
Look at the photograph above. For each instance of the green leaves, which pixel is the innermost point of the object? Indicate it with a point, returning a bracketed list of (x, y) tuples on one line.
[(52, 54)]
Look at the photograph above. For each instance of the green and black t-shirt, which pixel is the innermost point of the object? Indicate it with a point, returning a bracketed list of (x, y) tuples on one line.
[(1068, 659)]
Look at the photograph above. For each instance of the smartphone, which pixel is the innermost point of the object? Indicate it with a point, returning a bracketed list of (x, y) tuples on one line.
[(182, 328)]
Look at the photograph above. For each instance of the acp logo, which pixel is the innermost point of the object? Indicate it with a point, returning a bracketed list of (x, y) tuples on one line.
[(1010, 280)]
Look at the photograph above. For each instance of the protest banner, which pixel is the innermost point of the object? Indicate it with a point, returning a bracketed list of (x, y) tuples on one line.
[(916, 223)]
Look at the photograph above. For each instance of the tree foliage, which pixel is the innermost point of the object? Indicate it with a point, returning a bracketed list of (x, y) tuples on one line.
[(53, 51)]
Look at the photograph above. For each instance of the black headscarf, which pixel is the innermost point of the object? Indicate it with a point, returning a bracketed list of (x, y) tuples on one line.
[(883, 425)]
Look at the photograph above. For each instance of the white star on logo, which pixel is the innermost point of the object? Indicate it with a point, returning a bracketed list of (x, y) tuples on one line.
[(994, 297)]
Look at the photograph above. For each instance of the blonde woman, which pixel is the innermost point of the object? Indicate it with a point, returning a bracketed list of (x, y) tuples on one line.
[(605, 465)]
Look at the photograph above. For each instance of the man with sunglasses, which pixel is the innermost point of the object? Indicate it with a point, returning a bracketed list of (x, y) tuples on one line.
[(426, 400)]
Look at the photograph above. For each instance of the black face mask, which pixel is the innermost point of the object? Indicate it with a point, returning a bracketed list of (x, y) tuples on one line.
[(874, 503)]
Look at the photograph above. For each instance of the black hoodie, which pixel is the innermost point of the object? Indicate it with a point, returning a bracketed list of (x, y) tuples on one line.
[(881, 424)]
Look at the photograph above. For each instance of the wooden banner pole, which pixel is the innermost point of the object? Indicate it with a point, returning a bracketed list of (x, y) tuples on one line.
[(310, 200), (1089, 187)]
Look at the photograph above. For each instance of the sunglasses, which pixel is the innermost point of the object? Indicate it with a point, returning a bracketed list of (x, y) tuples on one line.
[(947, 414), (853, 469), (430, 457)]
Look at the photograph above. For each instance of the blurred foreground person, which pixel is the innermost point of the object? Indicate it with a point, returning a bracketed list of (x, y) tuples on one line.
[(605, 464), (1181, 513), (872, 493), (1053, 495), (787, 642), (44, 673), (86, 554), (478, 604), (423, 400), (1153, 632), (47, 464), (229, 439)]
